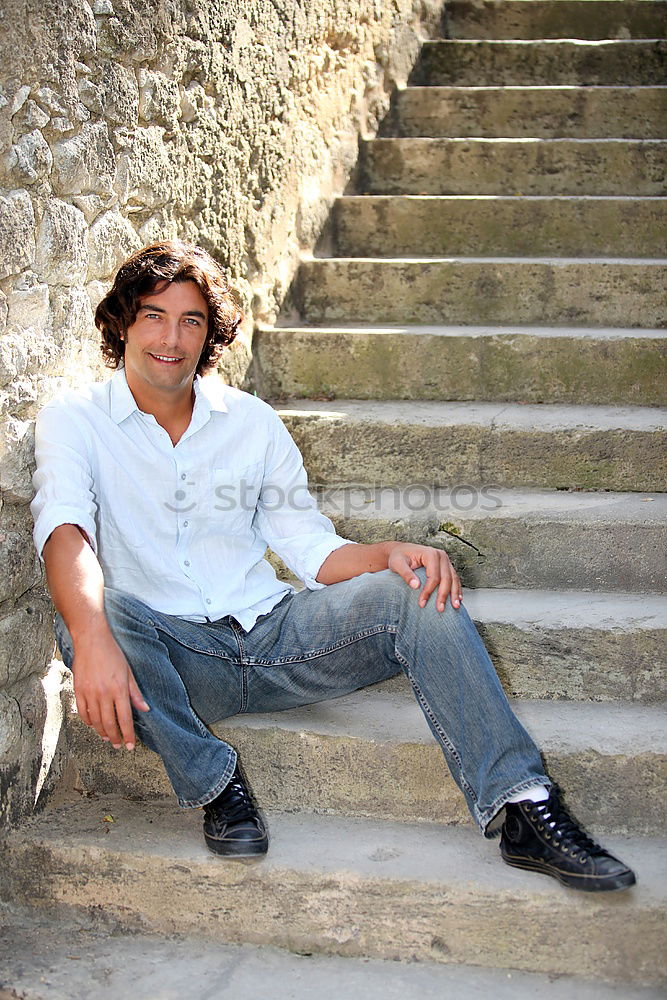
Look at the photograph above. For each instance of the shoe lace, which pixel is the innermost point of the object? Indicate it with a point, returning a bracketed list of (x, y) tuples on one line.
[(562, 828), (234, 804)]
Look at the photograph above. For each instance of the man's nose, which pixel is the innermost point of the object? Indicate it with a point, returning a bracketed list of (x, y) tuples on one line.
[(170, 332)]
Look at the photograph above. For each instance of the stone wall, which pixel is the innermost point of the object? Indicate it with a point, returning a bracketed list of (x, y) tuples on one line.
[(232, 124)]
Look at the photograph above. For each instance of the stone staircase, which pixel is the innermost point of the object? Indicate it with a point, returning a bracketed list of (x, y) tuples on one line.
[(474, 359)]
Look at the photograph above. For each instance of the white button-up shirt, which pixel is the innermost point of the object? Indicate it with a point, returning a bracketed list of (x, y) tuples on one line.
[(182, 527)]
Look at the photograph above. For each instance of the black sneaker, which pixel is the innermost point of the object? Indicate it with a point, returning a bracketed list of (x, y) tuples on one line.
[(543, 837), (233, 825)]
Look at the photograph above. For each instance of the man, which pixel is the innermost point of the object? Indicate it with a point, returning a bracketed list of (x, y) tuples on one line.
[(156, 496)]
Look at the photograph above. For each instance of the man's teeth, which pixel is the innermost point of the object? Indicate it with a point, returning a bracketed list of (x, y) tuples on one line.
[(163, 357)]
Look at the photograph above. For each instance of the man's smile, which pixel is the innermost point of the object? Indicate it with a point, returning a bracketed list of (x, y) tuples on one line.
[(165, 358)]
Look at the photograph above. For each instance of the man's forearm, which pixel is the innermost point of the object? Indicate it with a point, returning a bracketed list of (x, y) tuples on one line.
[(104, 686), (354, 559), (402, 558), (75, 581)]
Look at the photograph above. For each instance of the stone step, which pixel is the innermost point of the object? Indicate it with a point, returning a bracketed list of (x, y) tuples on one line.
[(342, 756), (540, 63), (529, 112), (574, 645), (541, 19), (531, 364), (438, 444), (341, 886), (43, 951), (483, 290), (520, 167), (508, 538), (400, 225)]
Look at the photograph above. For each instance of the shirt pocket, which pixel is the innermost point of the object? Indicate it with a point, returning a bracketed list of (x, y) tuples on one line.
[(121, 531), (236, 491), (127, 511)]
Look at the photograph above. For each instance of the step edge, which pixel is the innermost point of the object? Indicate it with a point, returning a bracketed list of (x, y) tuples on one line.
[(443, 841)]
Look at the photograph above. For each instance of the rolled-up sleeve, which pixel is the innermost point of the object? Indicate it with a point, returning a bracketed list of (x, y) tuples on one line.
[(287, 516), (63, 478)]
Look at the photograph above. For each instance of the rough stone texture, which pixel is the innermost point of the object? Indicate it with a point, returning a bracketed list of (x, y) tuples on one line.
[(17, 236), (29, 617), (574, 645), (537, 365), (61, 245), (229, 124), (609, 542), (526, 64), (518, 112), (341, 886), (32, 744), (19, 566), (399, 226), (42, 946), (565, 291), (514, 167), (549, 447), (111, 239), (546, 19), (16, 451)]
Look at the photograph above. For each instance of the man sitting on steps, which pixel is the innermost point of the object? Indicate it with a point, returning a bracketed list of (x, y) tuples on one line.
[(157, 494)]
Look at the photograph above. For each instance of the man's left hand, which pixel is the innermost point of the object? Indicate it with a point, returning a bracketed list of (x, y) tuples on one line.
[(404, 558)]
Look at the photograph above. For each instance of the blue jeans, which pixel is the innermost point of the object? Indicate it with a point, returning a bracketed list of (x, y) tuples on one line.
[(312, 646)]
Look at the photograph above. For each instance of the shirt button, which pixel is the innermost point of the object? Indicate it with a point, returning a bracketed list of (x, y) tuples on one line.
[(208, 600), (185, 524), (187, 562), (182, 475)]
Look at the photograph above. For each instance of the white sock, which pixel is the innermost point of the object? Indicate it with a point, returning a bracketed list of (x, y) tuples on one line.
[(537, 794)]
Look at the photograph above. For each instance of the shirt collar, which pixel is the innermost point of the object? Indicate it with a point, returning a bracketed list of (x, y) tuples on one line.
[(209, 396), (210, 393), (122, 402)]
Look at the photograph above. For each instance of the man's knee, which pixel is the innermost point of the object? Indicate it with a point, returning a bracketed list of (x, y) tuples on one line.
[(393, 587), (385, 586), (388, 592)]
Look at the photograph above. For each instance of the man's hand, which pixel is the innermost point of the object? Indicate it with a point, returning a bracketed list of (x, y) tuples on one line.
[(105, 689), (401, 557), (405, 557), (103, 683)]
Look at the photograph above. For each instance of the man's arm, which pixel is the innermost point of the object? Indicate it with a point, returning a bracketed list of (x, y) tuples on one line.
[(305, 539), (401, 557), (103, 683)]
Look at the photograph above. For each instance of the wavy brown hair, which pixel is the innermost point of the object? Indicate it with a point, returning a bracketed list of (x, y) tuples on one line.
[(153, 268)]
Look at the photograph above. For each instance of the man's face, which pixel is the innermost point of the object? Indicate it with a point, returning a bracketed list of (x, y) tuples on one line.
[(164, 344)]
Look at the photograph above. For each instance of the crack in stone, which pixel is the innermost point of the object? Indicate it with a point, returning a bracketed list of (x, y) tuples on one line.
[(442, 529)]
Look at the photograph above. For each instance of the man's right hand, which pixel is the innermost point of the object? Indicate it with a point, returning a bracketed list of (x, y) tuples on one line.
[(103, 683), (105, 688)]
